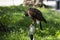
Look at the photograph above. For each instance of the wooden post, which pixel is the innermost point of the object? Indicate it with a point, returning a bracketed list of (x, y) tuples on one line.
[(32, 31)]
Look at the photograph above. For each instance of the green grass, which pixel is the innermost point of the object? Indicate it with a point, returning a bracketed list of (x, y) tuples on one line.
[(18, 25)]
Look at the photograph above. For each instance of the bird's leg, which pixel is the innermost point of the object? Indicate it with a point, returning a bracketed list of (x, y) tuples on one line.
[(40, 25), (34, 22)]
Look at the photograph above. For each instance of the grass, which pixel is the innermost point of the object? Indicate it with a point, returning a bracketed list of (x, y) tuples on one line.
[(16, 25)]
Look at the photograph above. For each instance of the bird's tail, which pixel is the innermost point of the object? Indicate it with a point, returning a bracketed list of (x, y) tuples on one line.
[(44, 20)]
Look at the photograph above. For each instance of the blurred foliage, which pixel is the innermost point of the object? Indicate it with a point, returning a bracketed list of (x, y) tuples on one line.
[(15, 26)]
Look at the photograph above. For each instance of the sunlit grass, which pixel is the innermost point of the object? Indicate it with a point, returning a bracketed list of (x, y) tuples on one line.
[(18, 25)]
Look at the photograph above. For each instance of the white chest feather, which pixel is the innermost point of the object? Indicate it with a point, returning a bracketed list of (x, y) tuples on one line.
[(29, 14)]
